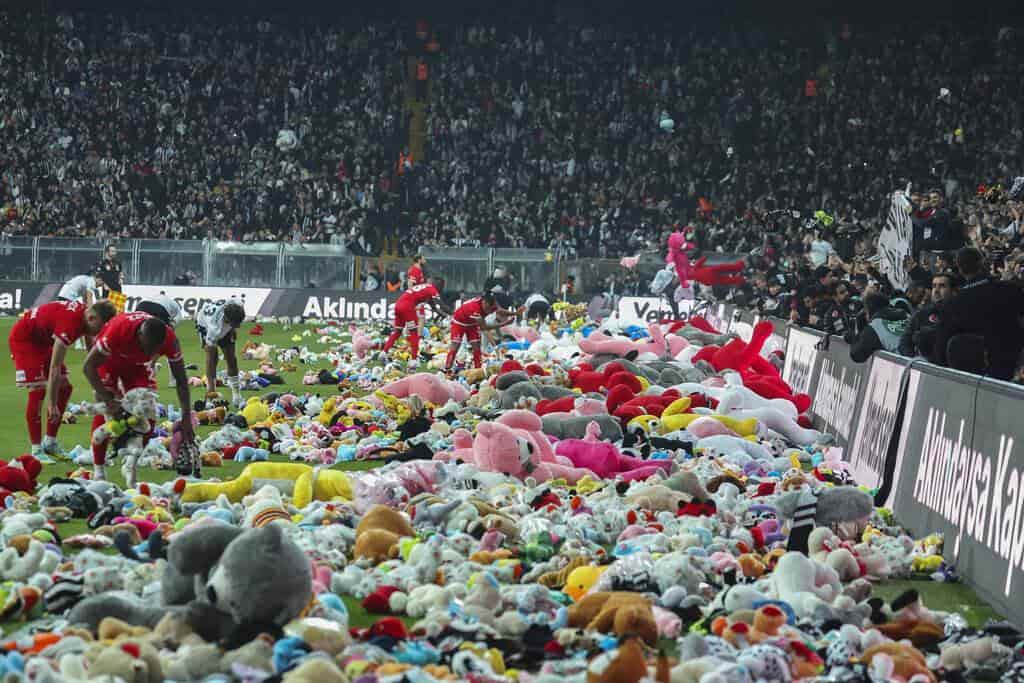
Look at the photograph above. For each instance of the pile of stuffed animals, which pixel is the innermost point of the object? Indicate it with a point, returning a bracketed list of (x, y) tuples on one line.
[(598, 505)]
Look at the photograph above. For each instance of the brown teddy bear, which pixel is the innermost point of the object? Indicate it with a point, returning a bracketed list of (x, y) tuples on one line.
[(907, 660), (378, 533), (627, 664), (621, 613)]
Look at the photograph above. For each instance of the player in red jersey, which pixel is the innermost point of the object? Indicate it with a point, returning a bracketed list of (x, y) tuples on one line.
[(467, 322), (121, 360), (414, 276), (407, 320), (39, 342)]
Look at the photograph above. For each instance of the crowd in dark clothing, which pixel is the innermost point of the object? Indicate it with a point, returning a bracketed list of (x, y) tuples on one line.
[(590, 141), (783, 145), (174, 125)]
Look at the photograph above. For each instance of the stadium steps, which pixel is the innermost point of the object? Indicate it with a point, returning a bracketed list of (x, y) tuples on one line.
[(417, 128)]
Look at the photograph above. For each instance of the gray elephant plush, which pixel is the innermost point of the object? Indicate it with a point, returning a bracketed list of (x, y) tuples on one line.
[(229, 584), (516, 389), (576, 427)]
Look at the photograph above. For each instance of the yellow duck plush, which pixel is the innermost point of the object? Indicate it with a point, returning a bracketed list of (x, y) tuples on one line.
[(328, 410), (581, 580), (255, 410)]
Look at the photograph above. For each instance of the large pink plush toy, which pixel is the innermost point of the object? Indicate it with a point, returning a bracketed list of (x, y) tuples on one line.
[(501, 448), (657, 344), (521, 332), (429, 387), (677, 248), (605, 460), (720, 274)]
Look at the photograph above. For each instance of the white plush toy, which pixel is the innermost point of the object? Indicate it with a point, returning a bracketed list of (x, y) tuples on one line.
[(127, 434)]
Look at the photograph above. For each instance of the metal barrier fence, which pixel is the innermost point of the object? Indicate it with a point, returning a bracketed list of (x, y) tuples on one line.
[(278, 264)]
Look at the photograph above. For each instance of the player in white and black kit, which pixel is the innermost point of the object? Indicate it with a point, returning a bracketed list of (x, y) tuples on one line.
[(217, 324), (83, 288), (538, 308), (163, 307)]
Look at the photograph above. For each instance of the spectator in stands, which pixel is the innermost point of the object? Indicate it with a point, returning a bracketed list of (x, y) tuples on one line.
[(885, 327), (933, 226), (919, 338), (985, 313)]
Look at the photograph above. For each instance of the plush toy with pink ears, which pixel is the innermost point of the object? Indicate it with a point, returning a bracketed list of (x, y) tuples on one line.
[(605, 460), (507, 450)]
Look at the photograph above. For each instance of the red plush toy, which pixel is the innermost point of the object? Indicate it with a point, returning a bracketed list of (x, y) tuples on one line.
[(624, 404), (379, 601), (19, 475), (739, 355), (588, 380), (566, 404), (510, 366), (720, 275)]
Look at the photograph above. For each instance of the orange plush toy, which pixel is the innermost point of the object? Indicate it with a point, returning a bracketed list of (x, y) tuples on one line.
[(621, 613), (902, 660)]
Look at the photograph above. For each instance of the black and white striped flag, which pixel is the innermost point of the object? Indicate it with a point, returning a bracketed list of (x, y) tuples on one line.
[(894, 243)]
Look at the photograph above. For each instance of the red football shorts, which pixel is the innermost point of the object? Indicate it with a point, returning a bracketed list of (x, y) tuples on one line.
[(470, 333), (32, 364), (406, 318), (118, 379)]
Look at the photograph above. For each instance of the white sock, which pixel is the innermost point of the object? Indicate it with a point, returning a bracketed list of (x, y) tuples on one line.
[(36, 448), (99, 472), (233, 384), (49, 441)]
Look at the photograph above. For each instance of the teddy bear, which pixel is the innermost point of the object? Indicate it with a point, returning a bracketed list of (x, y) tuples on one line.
[(378, 534), (514, 445), (825, 547), (620, 613), (900, 659), (972, 653), (19, 474), (805, 584), (229, 585), (518, 389)]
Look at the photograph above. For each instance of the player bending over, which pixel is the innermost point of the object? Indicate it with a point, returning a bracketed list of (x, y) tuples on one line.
[(407, 319), (467, 323), (122, 360), (163, 308), (217, 324), (83, 288), (39, 342)]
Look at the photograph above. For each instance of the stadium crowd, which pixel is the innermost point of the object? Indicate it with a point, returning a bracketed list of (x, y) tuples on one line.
[(589, 142)]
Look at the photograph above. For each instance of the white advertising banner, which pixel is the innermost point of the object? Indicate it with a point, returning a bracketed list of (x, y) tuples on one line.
[(191, 299), (876, 417), (800, 361)]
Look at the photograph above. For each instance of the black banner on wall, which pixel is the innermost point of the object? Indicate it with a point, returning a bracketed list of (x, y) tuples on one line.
[(16, 296), (961, 473), (327, 304)]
